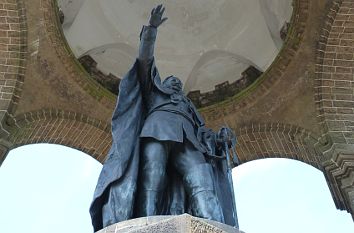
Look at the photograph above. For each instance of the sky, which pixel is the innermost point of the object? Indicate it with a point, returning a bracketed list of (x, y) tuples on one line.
[(48, 188)]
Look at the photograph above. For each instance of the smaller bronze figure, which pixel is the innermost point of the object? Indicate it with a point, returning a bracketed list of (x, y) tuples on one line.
[(163, 160)]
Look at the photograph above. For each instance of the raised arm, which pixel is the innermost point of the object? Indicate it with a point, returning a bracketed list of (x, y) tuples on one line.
[(148, 35), (146, 48)]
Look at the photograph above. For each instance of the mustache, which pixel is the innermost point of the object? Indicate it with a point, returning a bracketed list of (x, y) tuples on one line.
[(177, 85), (173, 85)]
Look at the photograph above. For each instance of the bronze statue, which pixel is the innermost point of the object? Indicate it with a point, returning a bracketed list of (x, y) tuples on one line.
[(163, 160)]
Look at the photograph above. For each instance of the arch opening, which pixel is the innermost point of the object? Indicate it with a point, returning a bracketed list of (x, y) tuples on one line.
[(47, 188), (271, 192), (285, 195)]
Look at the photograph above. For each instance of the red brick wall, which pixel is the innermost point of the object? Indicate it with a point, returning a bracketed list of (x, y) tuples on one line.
[(334, 86), (12, 56), (335, 79), (70, 129), (277, 141)]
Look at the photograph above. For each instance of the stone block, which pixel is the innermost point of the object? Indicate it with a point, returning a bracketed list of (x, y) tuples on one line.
[(180, 224)]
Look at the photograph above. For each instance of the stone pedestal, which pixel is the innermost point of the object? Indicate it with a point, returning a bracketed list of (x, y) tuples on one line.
[(182, 224)]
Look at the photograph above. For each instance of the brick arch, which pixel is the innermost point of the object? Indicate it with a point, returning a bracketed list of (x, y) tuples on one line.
[(71, 129), (92, 136), (276, 140), (13, 54), (334, 74), (334, 96)]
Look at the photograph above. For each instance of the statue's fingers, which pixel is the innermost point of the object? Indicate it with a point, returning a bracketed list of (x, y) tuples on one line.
[(163, 20), (152, 11), (158, 8), (162, 11)]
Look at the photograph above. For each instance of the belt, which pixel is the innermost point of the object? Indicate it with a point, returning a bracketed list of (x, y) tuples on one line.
[(179, 112)]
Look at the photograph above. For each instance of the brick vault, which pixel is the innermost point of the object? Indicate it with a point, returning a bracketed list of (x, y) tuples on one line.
[(302, 107)]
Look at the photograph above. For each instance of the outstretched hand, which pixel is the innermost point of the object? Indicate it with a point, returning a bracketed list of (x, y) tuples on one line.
[(156, 16)]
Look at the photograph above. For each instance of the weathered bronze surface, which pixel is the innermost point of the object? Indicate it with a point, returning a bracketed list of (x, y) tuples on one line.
[(163, 160)]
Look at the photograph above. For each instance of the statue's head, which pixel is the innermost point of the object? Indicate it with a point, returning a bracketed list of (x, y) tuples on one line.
[(173, 83)]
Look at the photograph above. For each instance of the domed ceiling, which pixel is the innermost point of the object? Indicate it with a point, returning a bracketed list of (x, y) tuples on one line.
[(204, 42)]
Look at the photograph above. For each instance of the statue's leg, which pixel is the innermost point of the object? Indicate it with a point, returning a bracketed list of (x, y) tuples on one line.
[(198, 182), (152, 173)]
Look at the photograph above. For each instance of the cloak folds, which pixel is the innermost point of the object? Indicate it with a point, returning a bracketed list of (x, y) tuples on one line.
[(122, 164)]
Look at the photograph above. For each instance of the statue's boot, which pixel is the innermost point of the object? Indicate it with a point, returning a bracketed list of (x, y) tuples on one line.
[(150, 192), (200, 188), (148, 203)]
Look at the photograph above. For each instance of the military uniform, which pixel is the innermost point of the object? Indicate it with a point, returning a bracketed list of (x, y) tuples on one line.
[(156, 164), (170, 136)]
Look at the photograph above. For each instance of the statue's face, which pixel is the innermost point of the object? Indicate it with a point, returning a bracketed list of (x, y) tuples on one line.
[(173, 83)]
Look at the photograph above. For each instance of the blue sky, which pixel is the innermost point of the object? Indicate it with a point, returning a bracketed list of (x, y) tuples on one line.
[(48, 188)]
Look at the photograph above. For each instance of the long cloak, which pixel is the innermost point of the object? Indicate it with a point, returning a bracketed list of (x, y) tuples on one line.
[(122, 162)]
